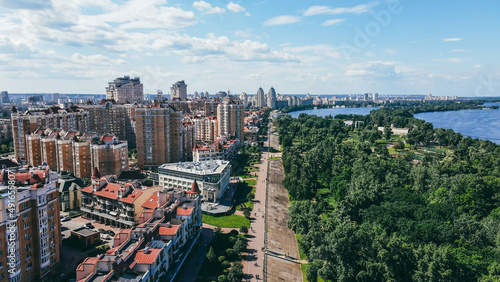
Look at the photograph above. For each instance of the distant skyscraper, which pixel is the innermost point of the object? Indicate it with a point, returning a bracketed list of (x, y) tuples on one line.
[(5, 97), (375, 97), (261, 102), (125, 89), (178, 91), (159, 94), (272, 93), (196, 95), (271, 98)]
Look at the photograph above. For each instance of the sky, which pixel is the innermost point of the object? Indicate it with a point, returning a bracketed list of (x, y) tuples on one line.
[(444, 48)]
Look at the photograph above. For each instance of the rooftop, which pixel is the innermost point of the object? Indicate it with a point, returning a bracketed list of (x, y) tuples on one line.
[(83, 231), (203, 167)]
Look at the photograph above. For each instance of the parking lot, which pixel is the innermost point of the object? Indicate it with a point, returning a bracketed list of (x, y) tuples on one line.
[(78, 222)]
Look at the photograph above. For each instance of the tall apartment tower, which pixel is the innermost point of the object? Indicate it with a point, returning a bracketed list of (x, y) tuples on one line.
[(30, 233), (159, 132), (271, 98), (109, 117), (125, 89), (230, 119), (4, 98), (178, 91), (261, 102)]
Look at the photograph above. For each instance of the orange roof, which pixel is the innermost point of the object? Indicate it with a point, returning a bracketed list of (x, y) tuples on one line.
[(107, 138), (110, 191), (184, 211), (169, 231), (87, 189), (90, 261), (146, 258), (152, 202), (131, 197)]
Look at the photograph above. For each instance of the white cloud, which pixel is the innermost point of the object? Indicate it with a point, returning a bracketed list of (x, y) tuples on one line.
[(477, 66), (327, 10), (332, 22), (281, 20), (233, 7), (207, 8), (375, 69), (450, 60), (320, 49), (247, 14), (452, 39)]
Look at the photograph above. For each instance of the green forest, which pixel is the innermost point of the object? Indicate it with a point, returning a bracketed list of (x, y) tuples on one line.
[(374, 206)]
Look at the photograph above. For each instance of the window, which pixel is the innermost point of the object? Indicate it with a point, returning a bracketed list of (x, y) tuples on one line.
[(26, 225), (28, 267), (25, 216), (25, 206)]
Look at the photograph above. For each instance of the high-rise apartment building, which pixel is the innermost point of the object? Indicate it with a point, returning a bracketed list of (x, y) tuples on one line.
[(261, 102), (109, 117), (4, 98), (30, 233), (109, 155), (178, 91), (271, 98), (230, 119), (159, 131), (71, 118), (125, 89), (75, 153), (205, 128)]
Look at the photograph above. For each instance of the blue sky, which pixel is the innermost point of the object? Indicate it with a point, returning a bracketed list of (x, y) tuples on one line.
[(318, 47)]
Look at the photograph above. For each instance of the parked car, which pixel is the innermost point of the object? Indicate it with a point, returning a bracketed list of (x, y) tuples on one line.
[(105, 236), (66, 218), (102, 231), (89, 225), (110, 232)]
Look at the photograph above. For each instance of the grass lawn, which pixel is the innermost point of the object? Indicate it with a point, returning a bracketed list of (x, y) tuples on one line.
[(251, 182), (228, 221)]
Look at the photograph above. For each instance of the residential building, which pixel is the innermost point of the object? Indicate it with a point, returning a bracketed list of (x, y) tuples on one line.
[(77, 153), (156, 249), (212, 177), (159, 131), (69, 191), (4, 98), (223, 148), (178, 91), (230, 118), (71, 118), (5, 130), (125, 90), (205, 128), (110, 117), (113, 202), (30, 233), (261, 102), (109, 154)]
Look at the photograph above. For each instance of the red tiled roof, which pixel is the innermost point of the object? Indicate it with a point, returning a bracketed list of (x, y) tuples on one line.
[(107, 138), (184, 211), (90, 261), (132, 196), (168, 231), (110, 191), (149, 258), (152, 202), (87, 189)]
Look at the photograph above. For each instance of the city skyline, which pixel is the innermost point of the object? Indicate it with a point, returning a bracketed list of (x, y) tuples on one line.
[(389, 47)]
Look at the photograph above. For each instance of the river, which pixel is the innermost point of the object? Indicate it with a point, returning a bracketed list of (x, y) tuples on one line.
[(482, 124), (335, 111)]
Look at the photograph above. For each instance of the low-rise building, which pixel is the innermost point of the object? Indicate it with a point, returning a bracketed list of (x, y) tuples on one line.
[(157, 248), (113, 202), (212, 177), (69, 191), (223, 148)]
